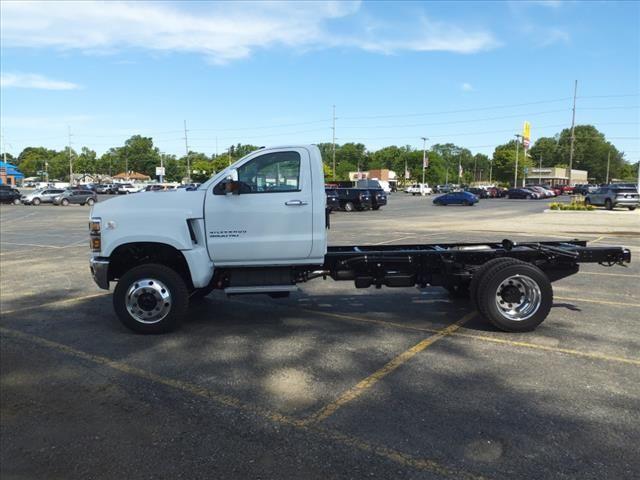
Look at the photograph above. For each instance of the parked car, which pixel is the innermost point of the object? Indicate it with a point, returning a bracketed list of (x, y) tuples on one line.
[(525, 193), (478, 192), (80, 197), (614, 196), (333, 202), (102, 189), (156, 187), (125, 188), (8, 194), (543, 192), (456, 198), (419, 189), (44, 195), (585, 189), (557, 190), (354, 199), (568, 189), (496, 192)]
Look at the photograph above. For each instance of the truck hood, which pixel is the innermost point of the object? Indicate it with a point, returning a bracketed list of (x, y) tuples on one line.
[(182, 202), (157, 217)]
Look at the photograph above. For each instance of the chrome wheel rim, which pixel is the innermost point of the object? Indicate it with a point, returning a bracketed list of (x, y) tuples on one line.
[(518, 297), (148, 300)]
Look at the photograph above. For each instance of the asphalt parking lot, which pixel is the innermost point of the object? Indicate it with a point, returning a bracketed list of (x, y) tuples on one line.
[(332, 382)]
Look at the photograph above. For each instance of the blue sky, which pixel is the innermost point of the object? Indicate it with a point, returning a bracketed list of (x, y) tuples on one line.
[(268, 73)]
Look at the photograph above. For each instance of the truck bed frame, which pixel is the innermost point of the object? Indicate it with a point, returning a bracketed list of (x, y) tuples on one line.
[(451, 264)]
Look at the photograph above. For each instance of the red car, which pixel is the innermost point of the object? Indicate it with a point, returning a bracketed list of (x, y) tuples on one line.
[(567, 189)]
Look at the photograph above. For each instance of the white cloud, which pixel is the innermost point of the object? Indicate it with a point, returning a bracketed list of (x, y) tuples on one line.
[(221, 31), (32, 80), (466, 87), (550, 36)]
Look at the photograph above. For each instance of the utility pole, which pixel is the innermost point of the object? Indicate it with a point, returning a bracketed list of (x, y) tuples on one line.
[(333, 142), (515, 175), (424, 162), (608, 163), (126, 162), (573, 133), (186, 147)]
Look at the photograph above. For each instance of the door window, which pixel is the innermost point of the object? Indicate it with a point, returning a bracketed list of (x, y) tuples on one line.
[(270, 173)]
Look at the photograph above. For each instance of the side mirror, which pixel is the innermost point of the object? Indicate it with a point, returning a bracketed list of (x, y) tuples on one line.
[(231, 187)]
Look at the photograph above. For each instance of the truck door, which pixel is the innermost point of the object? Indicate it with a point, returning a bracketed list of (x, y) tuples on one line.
[(268, 219)]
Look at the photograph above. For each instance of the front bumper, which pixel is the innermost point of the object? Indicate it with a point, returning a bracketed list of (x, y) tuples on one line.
[(100, 272)]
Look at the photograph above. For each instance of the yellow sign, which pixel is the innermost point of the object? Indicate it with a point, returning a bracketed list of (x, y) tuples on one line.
[(526, 134)]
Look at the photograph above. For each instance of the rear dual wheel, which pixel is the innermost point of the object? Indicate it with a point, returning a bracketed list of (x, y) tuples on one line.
[(514, 296)]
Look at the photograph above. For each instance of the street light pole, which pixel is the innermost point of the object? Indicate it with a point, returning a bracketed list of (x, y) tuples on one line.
[(424, 161), (608, 163), (515, 174)]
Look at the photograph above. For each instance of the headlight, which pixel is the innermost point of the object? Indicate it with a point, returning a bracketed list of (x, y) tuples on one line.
[(95, 235)]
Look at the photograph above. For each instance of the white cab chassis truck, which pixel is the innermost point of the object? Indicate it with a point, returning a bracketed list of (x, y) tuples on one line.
[(260, 227)]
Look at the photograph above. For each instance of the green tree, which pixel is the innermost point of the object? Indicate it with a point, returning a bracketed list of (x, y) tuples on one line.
[(504, 162)]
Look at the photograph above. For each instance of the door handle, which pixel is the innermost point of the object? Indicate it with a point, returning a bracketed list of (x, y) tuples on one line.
[(295, 203)]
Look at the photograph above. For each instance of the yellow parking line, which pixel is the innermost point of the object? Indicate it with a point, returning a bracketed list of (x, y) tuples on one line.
[(601, 302), (54, 302), (482, 338), (568, 351), (392, 365), (396, 456), (610, 274)]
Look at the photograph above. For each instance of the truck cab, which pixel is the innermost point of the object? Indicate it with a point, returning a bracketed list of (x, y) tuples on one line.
[(264, 212)]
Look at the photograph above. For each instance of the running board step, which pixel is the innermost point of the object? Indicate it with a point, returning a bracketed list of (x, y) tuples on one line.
[(260, 289)]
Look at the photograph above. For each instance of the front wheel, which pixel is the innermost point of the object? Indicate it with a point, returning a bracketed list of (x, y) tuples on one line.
[(35, 201), (16, 201), (515, 297), (608, 204), (64, 202), (376, 207), (348, 207), (528, 197), (631, 208), (151, 298), (90, 202)]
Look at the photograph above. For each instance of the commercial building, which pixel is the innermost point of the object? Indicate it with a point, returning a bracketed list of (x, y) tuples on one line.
[(377, 174), (556, 176), (9, 174)]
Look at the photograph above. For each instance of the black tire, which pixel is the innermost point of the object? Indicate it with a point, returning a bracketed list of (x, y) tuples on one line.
[(64, 202), (489, 296), (466, 203), (348, 207), (175, 285), (377, 207), (90, 202), (479, 274), (631, 208), (16, 201), (528, 197), (35, 201), (608, 204)]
